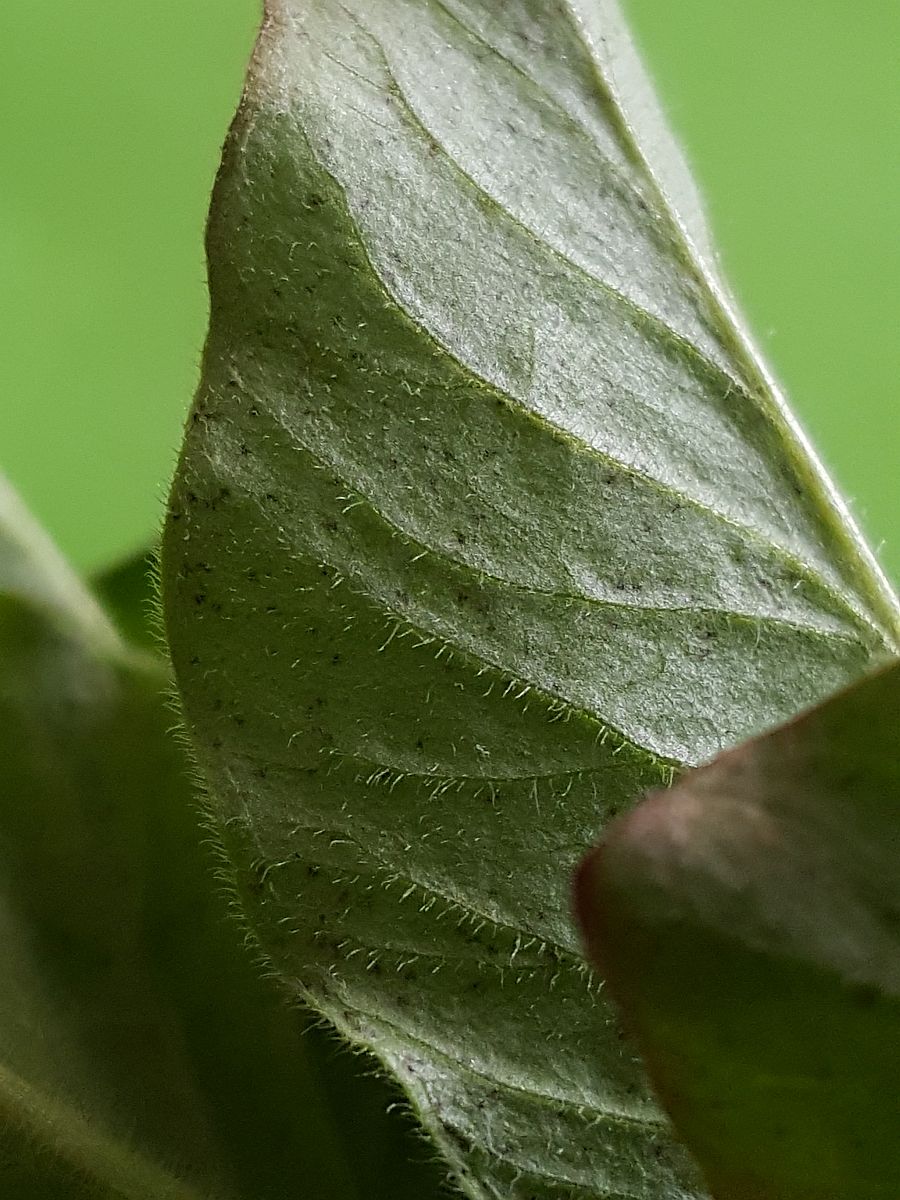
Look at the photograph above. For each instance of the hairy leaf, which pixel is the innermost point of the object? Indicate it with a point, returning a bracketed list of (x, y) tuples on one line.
[(140, 1053), (126, 591), (486, 521), (749, 923)]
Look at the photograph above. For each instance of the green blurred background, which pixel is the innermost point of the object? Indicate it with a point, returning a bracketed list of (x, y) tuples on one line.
[(112, 118)]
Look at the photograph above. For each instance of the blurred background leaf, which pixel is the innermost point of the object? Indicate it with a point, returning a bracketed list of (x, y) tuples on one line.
[(113, 119)]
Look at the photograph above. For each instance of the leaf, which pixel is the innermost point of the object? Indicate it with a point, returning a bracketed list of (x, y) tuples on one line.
[(141, 1055), (487, 520), (748, 921), (126, 590), (371, 1134)]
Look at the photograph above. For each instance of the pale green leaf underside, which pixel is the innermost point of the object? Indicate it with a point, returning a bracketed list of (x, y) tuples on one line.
[(487, 520)]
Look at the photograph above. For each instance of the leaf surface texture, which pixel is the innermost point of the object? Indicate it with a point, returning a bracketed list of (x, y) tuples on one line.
[(487, 520)]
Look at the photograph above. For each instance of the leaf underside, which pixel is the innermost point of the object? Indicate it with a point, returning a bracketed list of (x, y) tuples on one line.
[(748, 921), (487, 521)]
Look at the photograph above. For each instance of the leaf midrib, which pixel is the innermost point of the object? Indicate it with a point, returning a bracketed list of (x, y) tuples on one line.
[(872, 584)]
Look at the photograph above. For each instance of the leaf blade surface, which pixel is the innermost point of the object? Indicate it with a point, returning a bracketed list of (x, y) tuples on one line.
[(485, 522)]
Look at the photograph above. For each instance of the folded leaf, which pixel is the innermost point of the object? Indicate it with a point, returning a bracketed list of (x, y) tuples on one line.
[(486, 521), (748, 922), (141, 1053)]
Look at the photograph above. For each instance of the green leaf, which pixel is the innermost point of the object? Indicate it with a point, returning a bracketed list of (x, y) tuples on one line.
[(487, 520), (748, 921), (128, 594), (372, 1134), (141, 1054)]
